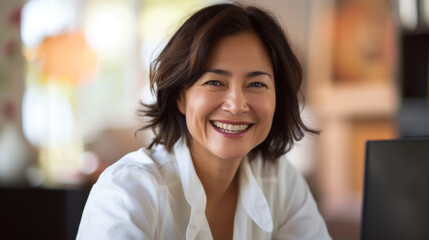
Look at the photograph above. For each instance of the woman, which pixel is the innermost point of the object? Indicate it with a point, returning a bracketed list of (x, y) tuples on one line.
[(226, 113)]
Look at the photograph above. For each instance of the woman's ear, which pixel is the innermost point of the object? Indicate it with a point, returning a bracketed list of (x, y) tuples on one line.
[(181, 103)]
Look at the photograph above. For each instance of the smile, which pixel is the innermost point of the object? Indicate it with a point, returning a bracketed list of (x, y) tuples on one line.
[(230, 128)]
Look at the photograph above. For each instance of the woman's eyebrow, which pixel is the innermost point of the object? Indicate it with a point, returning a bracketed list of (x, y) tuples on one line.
[(219, 72), (228, 74), (258, 73)]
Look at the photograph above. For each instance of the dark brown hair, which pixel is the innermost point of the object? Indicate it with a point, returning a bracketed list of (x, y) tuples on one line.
[(181, 63)]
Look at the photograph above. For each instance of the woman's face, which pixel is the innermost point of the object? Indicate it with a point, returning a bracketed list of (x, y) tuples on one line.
[(230, 109)]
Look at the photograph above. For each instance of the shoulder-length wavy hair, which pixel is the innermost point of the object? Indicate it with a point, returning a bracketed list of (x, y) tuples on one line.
[(181, 63)]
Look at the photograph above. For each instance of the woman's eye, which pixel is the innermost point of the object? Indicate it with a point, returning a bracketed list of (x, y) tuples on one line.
[(213, 83), (257, 85)]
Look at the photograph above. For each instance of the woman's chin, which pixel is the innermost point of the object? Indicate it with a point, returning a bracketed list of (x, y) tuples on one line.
[(230, 151), (232, 156)]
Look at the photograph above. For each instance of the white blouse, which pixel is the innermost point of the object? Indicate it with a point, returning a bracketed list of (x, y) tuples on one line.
[(153, 194)]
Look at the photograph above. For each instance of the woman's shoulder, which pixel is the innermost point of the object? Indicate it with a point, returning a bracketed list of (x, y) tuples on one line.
[(142, 166), (128, 189)]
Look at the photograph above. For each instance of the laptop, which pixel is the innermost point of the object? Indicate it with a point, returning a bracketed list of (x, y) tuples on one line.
[(396, 190)]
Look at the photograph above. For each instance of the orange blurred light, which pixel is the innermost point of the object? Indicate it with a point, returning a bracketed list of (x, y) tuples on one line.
[(67, 57)]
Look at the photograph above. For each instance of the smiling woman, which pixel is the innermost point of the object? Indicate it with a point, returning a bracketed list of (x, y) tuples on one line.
[(226, 115)]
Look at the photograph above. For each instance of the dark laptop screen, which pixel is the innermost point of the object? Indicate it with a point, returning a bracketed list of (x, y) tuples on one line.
[(396, 191)]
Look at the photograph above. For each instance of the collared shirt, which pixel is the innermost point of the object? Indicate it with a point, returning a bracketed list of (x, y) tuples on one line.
[(154, 194)]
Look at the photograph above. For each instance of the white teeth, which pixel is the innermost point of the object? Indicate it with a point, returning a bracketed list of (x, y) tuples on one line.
[(231, 128)]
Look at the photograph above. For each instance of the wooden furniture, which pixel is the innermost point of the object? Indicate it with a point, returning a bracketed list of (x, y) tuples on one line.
[(352, 106)]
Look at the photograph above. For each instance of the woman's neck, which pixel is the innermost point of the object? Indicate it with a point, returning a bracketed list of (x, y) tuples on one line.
[(218, 176)]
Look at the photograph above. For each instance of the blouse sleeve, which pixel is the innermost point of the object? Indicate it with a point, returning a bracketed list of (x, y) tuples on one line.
[(301, 218), (121, 205)]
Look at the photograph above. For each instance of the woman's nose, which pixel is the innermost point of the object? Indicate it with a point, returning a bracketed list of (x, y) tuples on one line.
[(236, 102)]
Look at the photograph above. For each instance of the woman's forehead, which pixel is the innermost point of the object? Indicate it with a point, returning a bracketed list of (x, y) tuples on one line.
[(243, 50)]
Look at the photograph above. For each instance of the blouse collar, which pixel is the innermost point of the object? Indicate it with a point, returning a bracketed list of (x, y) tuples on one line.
[(252, 199), (192, 187)]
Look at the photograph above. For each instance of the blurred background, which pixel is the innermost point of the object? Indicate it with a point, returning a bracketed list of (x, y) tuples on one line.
[(72, 73)]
